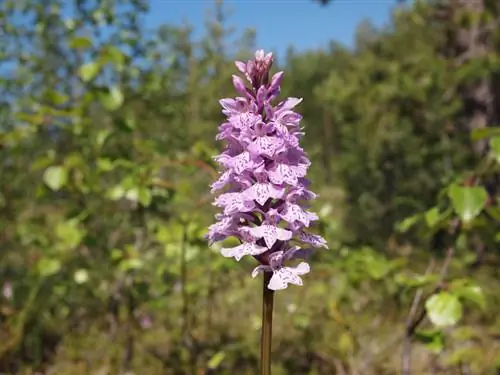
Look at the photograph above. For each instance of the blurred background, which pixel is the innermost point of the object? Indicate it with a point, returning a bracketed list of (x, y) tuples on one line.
[(108, 114)]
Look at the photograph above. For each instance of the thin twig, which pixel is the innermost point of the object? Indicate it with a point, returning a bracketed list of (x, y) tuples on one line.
[(406, 359)]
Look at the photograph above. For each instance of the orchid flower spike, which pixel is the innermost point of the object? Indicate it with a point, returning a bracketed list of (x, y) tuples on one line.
[(262, 188)]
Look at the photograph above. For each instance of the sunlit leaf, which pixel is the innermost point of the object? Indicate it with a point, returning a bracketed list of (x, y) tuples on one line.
[(468, 201), (105, 164), (432, 217), (48, 267), (469, 292), (495, 148), (81, 276), (113, 55), (116, 192), (346, 342), (111, 99), (407, 223), (102, 136), (130, 264), (55, 177), (444, 309), (80, 42), (216, 360), (132, 194), (89, 71), (145, 197), (481, 133)]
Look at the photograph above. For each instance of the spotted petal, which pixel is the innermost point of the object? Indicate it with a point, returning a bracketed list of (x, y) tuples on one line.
[(221, 229), (301, 193), (267, 146), (313, 239), (283, 173), (243, 162), (288, 104), (234, 202), (288, 275), (245, 120), (222, 181), (293, 213), (259, 269), (270, 233), (240, 251), (262, 191)]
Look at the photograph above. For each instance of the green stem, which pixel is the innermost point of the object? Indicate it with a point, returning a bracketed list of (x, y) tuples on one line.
[(267, 326)]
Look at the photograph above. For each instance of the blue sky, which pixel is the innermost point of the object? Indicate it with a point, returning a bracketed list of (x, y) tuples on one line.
[(279, 23)]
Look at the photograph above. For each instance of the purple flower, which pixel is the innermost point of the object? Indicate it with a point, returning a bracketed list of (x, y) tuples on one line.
[(262, 182)]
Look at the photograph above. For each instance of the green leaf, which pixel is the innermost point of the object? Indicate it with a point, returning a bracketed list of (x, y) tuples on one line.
[(444, 309), (432, 217), (105, 164), (495, 148), (111, 99), (468, 202), (216, 360), (433, 340), (377, 268), (145, 197), (55, 177), (80, 42), (407, 223), (469, 292), (69, 233), (478, 134), (54, 97), (116, 192), (116, 254), (130, 121), (48, 267), (89, 71), (127, 123), (415, 281), (494, 212), (102, 136), (81, 276), (42, 162), (301, 321), (132, 194), (113, 55), (130, 264)]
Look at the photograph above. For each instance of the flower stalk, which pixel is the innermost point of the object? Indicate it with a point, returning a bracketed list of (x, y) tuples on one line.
[(267, 326)]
